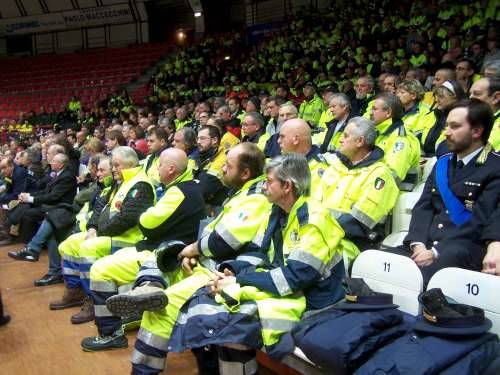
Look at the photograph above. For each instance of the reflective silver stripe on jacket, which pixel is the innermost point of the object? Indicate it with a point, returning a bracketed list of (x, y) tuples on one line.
[(153, 340), (363, 218), (248, 308), (255, 261), (142, 359), (282, 325), (103, 286), (280, 282), (227, 236), (204, 246), (70, 271)]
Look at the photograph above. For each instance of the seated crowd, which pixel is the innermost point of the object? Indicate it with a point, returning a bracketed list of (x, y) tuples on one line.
[(223, 219)]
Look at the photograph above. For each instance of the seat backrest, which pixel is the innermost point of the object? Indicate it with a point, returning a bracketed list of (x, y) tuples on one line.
[(394, 239), (401, 214), (391, 273), (471, 288), (428, 168)]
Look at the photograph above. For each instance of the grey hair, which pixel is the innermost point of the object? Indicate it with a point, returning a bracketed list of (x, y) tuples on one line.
[(343, 100), (256, 117), (291, 106), (364, 128), (370, 81), (292, 167), (128, 155), (224, 108), (493, 65), (189, 137), (393, 103), (63, 158)]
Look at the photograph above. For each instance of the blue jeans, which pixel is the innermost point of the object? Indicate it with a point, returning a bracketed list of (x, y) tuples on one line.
[(45, 235)]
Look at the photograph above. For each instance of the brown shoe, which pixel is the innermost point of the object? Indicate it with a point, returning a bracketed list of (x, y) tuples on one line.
[(72, 297), (86, 314)]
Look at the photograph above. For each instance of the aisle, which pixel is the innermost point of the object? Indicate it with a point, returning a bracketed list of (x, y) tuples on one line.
[(39, 341)]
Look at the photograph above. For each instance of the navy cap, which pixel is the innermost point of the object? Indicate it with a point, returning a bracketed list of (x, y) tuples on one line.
[(441, 317), (359, 296), (166, 255)]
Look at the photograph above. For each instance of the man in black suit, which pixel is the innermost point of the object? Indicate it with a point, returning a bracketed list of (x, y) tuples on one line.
[(61, 188), (459, 196), (14, 177)]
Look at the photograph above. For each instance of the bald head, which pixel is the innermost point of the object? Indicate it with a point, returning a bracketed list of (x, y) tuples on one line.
[(173, 163), (295, 136)]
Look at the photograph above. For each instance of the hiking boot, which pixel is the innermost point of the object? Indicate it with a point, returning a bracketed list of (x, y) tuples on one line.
[(72, 297), (117, 340), (136, 301), (86, 313), (24, 254)]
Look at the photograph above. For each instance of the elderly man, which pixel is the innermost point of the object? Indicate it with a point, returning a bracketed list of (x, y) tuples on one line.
[(488, 90), (459, 197), (175, 216), (253, 129), (232, 231), (58, 222), (364, 93), (61, 188), (14, 177), (358, 188), (340, 107), (286, 112), (295, 137), (401, 148), (113, 225)]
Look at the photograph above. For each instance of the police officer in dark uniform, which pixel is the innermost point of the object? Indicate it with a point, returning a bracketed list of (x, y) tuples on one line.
[(459, 196)]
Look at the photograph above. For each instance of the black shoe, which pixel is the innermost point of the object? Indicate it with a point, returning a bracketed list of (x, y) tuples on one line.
[(24, 254), (49, 280), (117, 340), (4, 319)]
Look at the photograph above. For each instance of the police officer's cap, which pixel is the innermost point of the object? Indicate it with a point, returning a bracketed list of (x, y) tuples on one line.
[(166, 255), (440, 317), (359, 296)]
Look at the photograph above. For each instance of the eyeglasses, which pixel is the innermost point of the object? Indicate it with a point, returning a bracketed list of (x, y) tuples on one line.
[(203, 138)]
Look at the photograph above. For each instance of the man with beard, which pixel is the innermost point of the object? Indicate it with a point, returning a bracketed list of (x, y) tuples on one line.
[(364, 94), (459, 196), (208, 169)]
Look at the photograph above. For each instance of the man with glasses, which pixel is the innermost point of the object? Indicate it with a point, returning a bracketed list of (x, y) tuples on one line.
[(208, 169)]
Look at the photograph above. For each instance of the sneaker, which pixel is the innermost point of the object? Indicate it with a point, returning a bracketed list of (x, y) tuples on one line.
[(117, 340), (24, 254), (138, 300)]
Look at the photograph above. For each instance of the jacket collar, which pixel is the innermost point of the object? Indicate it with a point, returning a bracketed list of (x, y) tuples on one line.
[(130, 173), (377, 154), (388, 126), (184, 177)]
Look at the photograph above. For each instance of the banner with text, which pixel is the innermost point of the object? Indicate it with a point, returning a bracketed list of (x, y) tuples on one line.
[(120, 13)]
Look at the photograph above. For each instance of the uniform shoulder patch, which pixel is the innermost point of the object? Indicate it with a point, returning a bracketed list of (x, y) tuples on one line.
[(379, 183), (134, 193), (398, 146)]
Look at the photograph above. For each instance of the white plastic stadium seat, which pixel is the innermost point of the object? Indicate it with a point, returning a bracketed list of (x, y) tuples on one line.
[(428, 168), (472, 288), (394, 239), (401, 214), (391, 273)]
